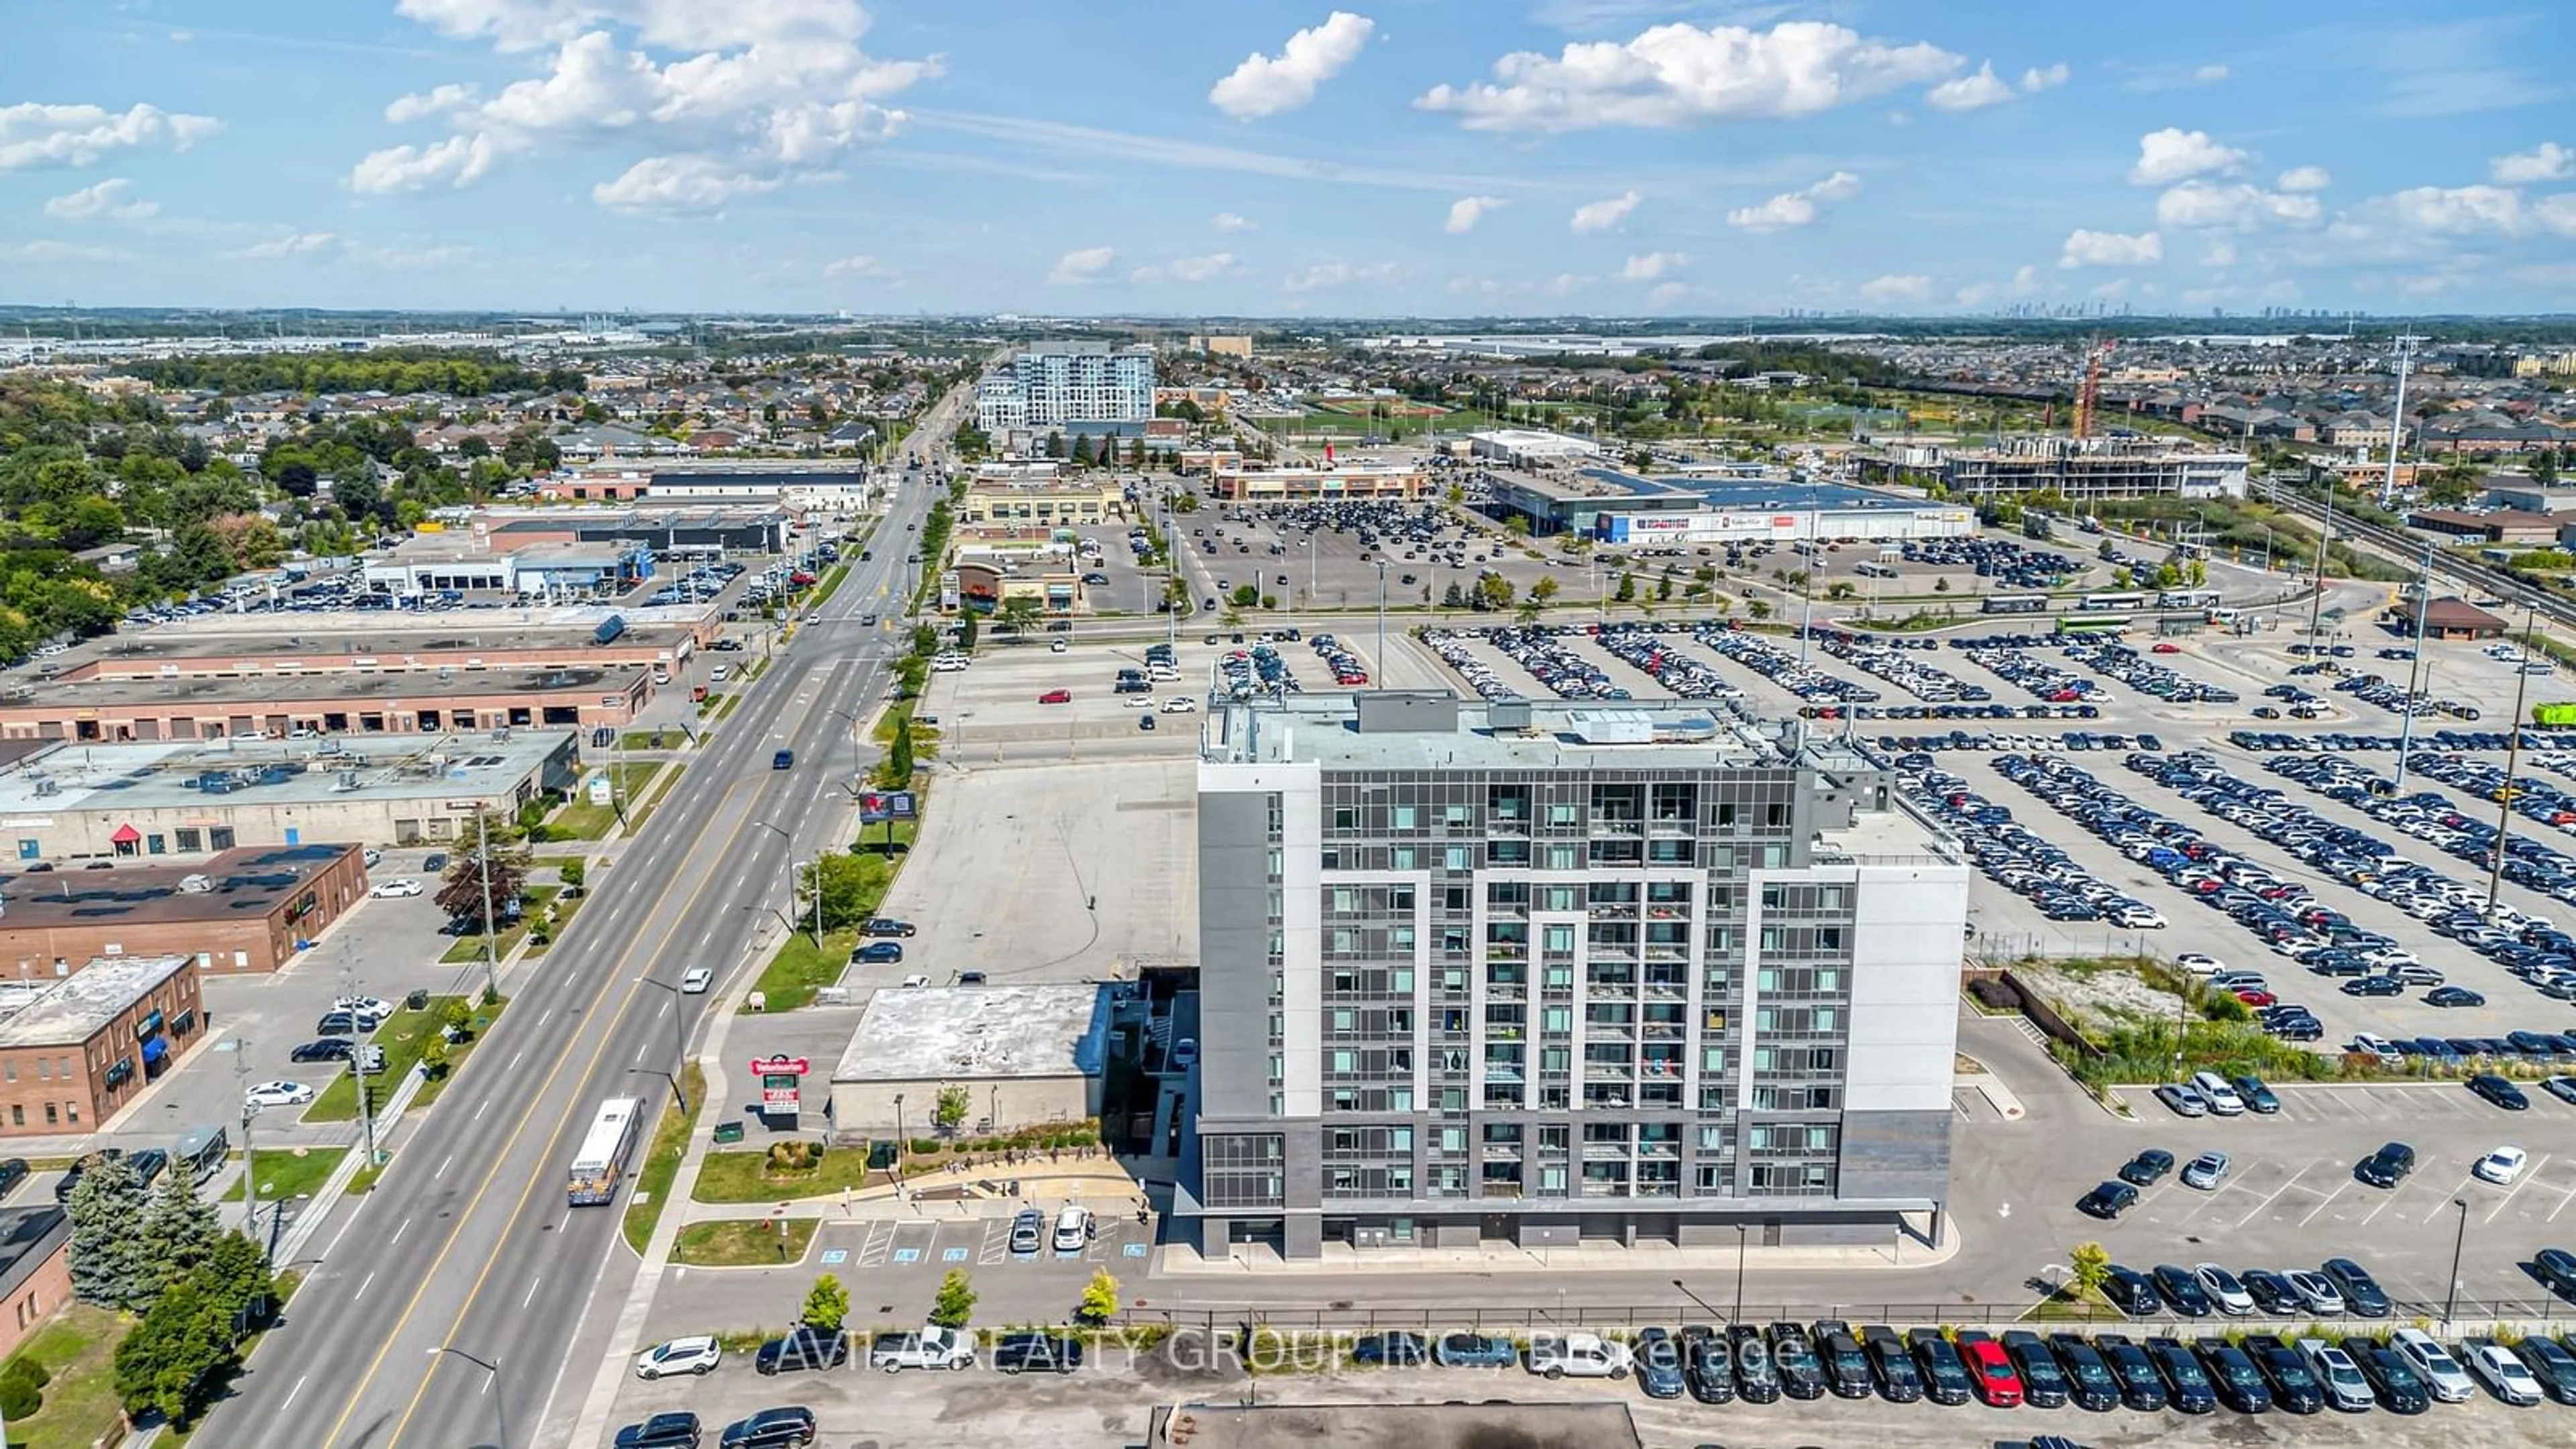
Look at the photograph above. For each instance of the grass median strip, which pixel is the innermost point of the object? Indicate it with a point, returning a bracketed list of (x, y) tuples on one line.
[(744, 1242), (289, 1172), (404, 1036), (661, 1165), (745, 1176)]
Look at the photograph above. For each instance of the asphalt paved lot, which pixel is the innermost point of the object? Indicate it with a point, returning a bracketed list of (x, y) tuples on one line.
[(1112, 1403)]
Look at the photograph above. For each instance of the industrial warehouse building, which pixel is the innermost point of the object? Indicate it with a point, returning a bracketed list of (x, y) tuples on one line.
[(146, 801), (244, 912), (1553, 975), (359, 703), (75, 1050)]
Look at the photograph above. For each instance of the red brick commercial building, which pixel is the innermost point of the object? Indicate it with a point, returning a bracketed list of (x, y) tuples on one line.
[(35, 1270), (345, 704), (242, 912), (75, 1050)]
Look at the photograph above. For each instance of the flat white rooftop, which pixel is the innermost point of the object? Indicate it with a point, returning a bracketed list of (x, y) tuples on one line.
[(71, 1010), (910, 1035)]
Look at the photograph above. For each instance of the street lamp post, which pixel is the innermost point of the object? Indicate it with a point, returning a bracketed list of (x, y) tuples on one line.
[(2512, 755), (1738, 1316), (898, 1144), (789, 915), (491, 1367), (483, 862), (679, 1040), (1381, 622), (2459, 1239), (240, 1048)]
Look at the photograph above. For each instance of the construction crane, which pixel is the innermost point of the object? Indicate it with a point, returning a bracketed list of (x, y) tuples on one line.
[(2088, 398)]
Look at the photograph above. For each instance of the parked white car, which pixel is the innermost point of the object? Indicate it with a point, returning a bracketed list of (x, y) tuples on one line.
[(389, 889), (278, 1094), (697, 1355), (2501, 1166), (369, 1006), (2502, 1373), (916, 980), (1577, 1355)]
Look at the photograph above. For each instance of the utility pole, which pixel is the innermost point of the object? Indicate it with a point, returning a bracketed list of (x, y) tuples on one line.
[(2397, 416), (2512, 754), (483, 862), (2317, 583), (358, 1065), (250, 1159)]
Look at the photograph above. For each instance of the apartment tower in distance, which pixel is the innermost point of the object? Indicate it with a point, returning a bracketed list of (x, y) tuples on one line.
[(1550, 975), (1072, 388)]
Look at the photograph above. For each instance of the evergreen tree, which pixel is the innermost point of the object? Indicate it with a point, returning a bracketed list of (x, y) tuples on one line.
[(108, 1262), (899, 753), (179, 1228)]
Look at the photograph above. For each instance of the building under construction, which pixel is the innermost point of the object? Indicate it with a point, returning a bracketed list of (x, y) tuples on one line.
[(2077, 469)]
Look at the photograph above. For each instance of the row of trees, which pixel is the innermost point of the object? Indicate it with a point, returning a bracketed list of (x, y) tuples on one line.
[(394, 370), (198, 1291), (827, 1303)]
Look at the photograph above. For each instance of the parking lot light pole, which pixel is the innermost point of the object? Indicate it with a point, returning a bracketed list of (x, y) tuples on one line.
[(2414, 669), (2512, 754), (2459, 1239), (1381, 626), (491, 1367), (1738, 1315), (240, 1048), (1704, 1305)]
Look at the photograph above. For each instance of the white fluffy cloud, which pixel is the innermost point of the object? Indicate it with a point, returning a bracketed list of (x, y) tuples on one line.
[(2211, 74), (1794, 208), (2037, 79), (2025, 282), (1653, 266), (34, 134), (737, 98), (854, 266), (680, 184), (2235, 206), (1075, 268), (1678, 74), (298, 244), (104, 202), (1897, 287), (2547, 161), (1228, 221), (1970, 92), (1325, 275), (2111, 249), (1186, 269), (1265, 85), (1466, 211), (2304, 178), (2459, 211), (2173, 154), (1604, 215)]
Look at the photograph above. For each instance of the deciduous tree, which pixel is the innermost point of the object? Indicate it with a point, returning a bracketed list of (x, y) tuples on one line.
[(954, 1306), (827, 1304)]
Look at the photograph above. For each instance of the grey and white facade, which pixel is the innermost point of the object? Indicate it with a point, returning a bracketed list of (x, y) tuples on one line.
[(1550, 974), (1068, 387)]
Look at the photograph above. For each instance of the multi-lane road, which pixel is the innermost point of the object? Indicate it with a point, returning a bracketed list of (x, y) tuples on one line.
[(446, 1310)]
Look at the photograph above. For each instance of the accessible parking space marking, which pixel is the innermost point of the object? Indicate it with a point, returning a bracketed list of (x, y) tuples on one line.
[(997, 1242), (878, 1246)]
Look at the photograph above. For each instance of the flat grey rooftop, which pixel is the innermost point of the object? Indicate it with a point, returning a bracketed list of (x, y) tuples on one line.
[(978, 1031), (217, 692), (167, 775), (1328, 729), (70, 1010)]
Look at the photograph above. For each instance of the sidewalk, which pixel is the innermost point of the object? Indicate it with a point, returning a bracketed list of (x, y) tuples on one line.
[(982, 1193)]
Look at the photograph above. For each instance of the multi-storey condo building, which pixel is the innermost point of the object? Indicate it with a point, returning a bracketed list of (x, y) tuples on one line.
[(1551, 974), (1068, 387)]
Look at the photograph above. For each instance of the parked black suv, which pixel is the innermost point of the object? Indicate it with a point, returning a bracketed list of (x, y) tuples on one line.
[(803, 1348), (2387, 1167), (328, 1049), (1043, 1353), (663, 1431), (770, 1429)]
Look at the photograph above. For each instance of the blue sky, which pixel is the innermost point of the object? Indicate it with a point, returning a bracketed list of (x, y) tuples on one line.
[(1429, 157)]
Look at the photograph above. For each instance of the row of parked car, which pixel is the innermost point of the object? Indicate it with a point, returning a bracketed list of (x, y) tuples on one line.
[(1782, 667), (2038, 677), (2013, 856), (2405, 1371), (1650, 651), (1558, 669), (2113, 659), (2013, 567), (2529, 948), (2394, 698), (1899, 665)]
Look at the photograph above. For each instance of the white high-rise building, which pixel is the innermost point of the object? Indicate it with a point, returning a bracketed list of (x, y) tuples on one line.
[(1067, 387)]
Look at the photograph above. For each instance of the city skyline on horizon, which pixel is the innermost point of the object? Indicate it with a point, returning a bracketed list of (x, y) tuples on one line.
[(1612, 159)]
